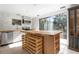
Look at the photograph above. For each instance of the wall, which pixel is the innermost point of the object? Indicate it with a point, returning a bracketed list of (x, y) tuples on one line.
[(6, 20)]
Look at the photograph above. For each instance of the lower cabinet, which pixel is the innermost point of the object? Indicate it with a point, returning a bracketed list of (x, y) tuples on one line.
[(6, 38)]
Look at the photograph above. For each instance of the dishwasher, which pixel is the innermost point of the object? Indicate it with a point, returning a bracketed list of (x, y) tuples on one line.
[(6, 38)]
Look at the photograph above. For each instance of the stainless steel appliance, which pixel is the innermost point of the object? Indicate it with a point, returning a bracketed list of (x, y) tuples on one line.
[(6, 37)]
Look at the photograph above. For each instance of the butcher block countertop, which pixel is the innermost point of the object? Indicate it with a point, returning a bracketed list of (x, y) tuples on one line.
[(42, 32)]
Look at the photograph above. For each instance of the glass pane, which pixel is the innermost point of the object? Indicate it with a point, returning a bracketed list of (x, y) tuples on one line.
[(77, 20), (60, 23), (43, 24), (71, 26), (57, 22)]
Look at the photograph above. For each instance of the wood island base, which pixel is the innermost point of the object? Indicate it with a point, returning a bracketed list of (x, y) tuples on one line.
[(41, 42)]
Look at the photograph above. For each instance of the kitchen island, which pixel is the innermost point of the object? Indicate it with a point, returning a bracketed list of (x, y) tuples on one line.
[(41, 42)]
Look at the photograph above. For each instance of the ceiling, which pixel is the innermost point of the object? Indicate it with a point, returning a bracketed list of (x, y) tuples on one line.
[(31, 10)]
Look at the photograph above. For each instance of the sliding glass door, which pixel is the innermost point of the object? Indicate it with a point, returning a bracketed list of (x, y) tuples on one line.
[(60, 23), (56, 22)]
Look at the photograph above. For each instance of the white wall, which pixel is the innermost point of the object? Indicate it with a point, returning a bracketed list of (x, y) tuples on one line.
[(6, 20)]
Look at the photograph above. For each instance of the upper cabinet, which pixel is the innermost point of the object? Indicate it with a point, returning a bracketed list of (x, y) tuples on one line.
[(74, 28), (77, 17), (71, 21), (27, 21), (16, 22)]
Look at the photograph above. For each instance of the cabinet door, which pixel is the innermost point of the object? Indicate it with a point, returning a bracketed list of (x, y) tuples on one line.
[(77, 21), (71, 42), (77, 28), (71, 22), (76, 43)]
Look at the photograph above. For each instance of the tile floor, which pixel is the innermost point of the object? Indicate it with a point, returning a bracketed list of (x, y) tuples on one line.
[(64, 48), (16, 48)]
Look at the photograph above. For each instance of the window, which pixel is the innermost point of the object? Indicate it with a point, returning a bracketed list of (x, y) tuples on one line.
[(56, 22)]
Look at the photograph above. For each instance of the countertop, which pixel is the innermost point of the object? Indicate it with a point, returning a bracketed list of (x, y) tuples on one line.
[(8, 30), (43, 32)]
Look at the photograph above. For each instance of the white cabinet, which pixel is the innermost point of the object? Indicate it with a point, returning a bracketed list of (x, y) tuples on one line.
[(17, 36)]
